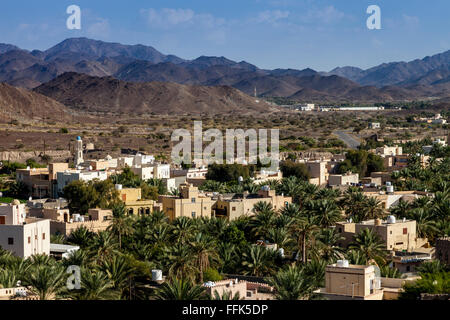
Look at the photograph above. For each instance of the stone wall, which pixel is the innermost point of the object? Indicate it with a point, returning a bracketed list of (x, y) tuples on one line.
[(22, 156)]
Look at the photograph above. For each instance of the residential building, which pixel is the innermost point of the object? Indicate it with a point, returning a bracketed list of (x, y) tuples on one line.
[(344, 281), (409, 261), (396, 235), (68, 176), (374, 125), (237, 205), (191, 203), (389, 151), (318, 172), (20, 235), (343, 179), (134, 204), (64, 223), (245, 289)]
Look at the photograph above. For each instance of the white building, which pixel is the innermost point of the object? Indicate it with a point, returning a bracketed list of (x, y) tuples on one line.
[(123, 162), (144, 173), (142, 160), (23, 237), (66, 177), (161, 171), (307, 107)]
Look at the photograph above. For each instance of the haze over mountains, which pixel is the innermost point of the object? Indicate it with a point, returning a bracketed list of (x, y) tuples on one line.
[(418, 79)]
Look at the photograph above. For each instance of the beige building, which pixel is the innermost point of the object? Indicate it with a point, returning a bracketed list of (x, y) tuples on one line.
[(318, 172), (242, 205), (191, 203), (389, 151), (397, 235), (64, 223), (135, 205), (343, 179), (41, 182), (23, 236), (246, 290), (344, 281)]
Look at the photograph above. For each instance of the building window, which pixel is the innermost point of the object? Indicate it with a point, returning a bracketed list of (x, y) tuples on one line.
[(390, 232), (10, 241), (35, 237), (408, 268), (405, 230), (193, 200), (29, 239), (233, 208), (43, 236), (193, 214)]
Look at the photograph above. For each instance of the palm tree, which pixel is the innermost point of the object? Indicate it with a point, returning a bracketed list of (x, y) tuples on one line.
[(118, 271), (263, 221), (103, 245), (389, 272), (226, 295), (326, 210), (182, 229), (180, 262), (228, 256), (401, 209), (8, 278), (46, 281), (121, 225), (257, 261), (95, 285), (204, 248), (81, 237), (327, 245), (290, 284), (180, 289), (369, 245), (373, 209), (279, 236), (304, 227), (425, 225)]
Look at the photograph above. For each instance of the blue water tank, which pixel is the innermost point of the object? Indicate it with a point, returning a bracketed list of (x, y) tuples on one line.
[(78, 138)]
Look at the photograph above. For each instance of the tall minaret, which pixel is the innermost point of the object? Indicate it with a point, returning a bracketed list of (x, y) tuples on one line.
[(256, 93), (79, 152)]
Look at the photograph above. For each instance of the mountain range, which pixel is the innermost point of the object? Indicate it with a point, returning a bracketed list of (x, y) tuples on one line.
[(418, 79)]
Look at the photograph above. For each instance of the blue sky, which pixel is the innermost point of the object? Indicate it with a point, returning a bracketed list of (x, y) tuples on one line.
[(320, 34)]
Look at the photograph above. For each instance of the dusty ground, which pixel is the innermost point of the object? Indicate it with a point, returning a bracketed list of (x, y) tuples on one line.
[(151, 134)]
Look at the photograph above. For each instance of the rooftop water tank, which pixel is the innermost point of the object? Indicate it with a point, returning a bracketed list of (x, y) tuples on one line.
[(391, 219), (342, 263), (119, 187), (157, 275), (390, 189), (78, 138)]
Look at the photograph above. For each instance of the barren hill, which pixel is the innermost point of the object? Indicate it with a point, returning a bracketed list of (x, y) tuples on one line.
[(16, 103), (108, 94)]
